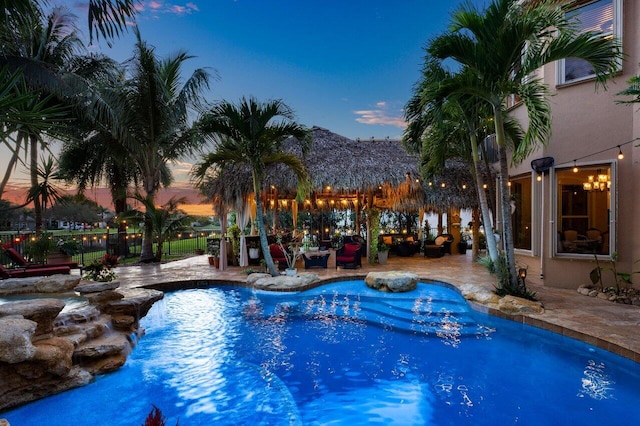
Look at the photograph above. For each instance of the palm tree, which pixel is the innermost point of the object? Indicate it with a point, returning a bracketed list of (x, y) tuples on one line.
[(504, 46), (443, 126), (95, 155), (40, 47), (632, 90), (165, 219), (106, 18), (251, 134), (156, 128)]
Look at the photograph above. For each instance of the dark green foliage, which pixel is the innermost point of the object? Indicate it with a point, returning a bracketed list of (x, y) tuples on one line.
[(505, 287)]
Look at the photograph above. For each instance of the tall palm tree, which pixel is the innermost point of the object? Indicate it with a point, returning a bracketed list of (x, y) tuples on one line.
[(156, 128), (97, 153), (251, 133), (41, 48), (105, 17), (503, 46), (442, 125)]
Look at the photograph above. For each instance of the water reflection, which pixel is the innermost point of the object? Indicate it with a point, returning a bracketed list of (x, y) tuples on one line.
[(596, 383)]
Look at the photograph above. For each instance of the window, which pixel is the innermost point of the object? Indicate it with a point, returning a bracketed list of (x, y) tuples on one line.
[(584, 209), (600, 15), (521, 193)]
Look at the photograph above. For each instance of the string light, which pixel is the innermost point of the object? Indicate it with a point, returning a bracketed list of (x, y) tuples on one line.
[(620, 154)]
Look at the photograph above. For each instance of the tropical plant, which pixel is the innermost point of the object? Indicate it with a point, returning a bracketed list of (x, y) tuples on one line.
[(291, 252), (382, 246), (106, 18), (442, 126), (251, 134), (622, 280), (38, 247), (156, 128), (68, 247), (234, 232), (213, 248), (101, 269), (163, 220), (503, 46), (44, 49), (97, 154)]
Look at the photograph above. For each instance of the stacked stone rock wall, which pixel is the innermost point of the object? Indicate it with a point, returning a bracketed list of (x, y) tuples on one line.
[(44, 351)]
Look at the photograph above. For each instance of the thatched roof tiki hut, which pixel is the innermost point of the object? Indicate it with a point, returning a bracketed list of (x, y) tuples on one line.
[(345, 173)]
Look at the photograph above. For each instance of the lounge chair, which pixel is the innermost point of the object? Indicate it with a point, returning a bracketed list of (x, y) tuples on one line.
[(349, 256), (17, 258), (33, 272)]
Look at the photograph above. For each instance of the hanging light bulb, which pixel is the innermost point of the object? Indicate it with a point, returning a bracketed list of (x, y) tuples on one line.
[(620, 154), (575, 168)]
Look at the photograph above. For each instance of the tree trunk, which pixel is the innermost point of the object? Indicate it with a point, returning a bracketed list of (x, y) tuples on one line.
[(33, 171), (492, 248), (12, 163), (507, 231), (271, 266), (119, 197), (146, 251)]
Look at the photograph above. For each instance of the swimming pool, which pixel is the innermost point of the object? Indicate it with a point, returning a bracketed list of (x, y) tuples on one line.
[(344, 354)]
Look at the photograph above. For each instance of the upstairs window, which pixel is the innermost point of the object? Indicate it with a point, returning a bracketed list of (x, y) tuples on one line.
[(603, 16)]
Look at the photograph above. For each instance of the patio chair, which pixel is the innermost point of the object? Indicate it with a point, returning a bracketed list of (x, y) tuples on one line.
[(442, 245), (33, 272), (348, 256), (278, 255), (19, 260)]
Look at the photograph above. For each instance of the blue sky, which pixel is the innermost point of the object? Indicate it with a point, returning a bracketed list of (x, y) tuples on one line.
[(348, 65)]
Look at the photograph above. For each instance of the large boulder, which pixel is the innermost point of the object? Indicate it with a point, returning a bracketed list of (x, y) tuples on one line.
[(101, 347), (55, 354), (53, 284), (136, 302), (15, 339), (392, 281), (95, 287), (282, 282), (516, 305), (479, 294), (42, 311)]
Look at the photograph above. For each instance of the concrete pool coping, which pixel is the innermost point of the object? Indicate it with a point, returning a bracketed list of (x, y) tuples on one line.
[(601, 323)]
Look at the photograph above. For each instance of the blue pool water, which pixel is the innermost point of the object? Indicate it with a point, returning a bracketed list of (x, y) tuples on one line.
[(343, 354)]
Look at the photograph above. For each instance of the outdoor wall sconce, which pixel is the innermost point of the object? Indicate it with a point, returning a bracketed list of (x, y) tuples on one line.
[(522, 276)]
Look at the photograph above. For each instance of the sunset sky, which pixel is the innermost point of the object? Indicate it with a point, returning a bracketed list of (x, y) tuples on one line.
[(348, 66)]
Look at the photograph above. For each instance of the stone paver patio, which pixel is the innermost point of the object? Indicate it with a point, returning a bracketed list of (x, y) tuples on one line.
[(608, 325)]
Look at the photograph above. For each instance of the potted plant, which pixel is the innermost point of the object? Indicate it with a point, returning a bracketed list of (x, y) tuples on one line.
[(463, 243), (213, 247), (101, 269), (383, 253), (291, 254), (254, 249)]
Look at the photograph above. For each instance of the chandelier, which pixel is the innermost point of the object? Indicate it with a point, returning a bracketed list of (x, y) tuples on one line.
[(599, 182)]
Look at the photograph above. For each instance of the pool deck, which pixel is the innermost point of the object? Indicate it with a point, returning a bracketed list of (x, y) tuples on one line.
[(608, 325)]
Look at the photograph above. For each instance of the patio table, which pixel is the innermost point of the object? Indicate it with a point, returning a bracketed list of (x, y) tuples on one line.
[(318, 259)]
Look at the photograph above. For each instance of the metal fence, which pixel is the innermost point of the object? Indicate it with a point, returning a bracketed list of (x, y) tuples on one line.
[(94, 245)]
